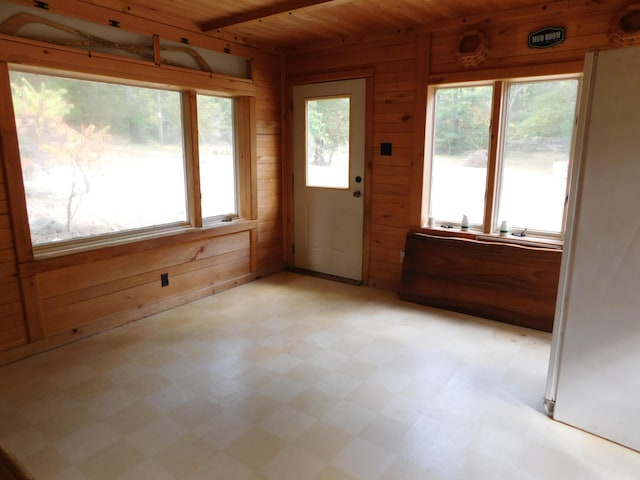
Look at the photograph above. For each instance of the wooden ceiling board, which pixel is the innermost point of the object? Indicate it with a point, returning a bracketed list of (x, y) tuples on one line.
[(331, 20)]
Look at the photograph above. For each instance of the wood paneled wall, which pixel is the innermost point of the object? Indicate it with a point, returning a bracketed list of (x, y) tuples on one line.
[(12, 326), (395, 119), (403, 67), (48, 302), (268, 74), (71, 296)]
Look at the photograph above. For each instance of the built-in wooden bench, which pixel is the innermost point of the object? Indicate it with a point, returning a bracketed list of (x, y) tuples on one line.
[(503, 281)]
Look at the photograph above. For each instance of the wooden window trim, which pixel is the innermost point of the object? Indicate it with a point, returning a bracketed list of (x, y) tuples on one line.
[(51, 59), (494, 154), (246, 152), (10, 153), (492, 157)]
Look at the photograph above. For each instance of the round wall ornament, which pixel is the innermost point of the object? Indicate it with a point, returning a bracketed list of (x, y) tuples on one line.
[(625, 28), (473, 48)]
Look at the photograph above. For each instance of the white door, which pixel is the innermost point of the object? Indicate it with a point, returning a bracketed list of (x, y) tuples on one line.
[(328, 168)]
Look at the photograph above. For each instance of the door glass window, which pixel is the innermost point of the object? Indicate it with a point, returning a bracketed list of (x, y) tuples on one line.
[(327, 141)]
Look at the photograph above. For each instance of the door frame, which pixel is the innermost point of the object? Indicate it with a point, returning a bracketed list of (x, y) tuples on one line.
[(287, 158)]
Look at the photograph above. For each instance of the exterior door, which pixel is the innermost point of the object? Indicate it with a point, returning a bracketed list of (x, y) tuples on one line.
[(328, 149)]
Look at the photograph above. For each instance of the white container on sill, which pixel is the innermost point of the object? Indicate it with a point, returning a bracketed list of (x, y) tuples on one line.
[(464, 225)]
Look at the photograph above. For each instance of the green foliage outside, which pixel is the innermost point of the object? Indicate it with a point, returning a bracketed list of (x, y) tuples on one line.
[(74, 134), (215, 124), (48, 142), (462, 120), (132, 114), (540, 113), (328, 128)]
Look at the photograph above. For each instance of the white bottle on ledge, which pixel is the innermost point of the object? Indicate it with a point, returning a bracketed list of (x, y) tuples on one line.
[(464, 225)]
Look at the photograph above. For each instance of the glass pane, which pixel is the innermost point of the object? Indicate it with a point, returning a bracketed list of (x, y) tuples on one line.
[(460, 146), (328, 142), (97, 158), (537, 144), (217, 158)]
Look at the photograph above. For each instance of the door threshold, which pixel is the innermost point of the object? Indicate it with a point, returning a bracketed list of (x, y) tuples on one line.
[(326, 276)]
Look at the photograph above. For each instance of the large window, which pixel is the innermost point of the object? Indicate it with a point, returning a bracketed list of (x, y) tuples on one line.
[(520, 177), (108, 159), (460, 146)]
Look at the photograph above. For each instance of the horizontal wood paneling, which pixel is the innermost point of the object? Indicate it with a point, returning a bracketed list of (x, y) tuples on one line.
[(113, 269), (506, 282), (393, 105), (74, 295), (586, 28), (74, 307), (267, 77), (13, 337), (12, 321), (399, 99)]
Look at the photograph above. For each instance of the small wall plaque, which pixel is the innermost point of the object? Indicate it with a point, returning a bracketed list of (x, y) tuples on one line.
[(546, 37)]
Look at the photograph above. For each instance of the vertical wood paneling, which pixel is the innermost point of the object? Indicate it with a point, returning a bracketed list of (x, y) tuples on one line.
[(12, 326)]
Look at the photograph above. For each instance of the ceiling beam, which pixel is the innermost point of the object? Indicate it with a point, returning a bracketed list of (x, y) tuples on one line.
[(258, 13)]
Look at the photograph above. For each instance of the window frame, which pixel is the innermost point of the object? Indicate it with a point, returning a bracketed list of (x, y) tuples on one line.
[(495, 162), (245, 158)]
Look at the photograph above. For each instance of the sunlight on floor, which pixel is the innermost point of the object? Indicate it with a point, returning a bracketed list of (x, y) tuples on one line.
[(294, 377)]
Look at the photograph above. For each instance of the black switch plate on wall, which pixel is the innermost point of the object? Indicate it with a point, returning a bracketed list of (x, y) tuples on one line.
[(164, 279), (385, 149)]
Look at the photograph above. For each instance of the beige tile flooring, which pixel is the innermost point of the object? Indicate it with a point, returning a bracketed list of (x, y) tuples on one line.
[(294, 377)]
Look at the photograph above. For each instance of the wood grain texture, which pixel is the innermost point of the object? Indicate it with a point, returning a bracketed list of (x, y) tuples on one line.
[(12, 321), (404, 65), (84, 292), (506, 282)]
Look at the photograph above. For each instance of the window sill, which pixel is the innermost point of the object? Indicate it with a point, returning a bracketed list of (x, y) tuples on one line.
[(539, 242), (55, 256)]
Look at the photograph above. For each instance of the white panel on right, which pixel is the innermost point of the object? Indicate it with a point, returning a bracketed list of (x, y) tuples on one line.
[(598, 382)]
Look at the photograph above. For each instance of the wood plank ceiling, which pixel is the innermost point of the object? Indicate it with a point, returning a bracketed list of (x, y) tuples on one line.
[(289, 23)]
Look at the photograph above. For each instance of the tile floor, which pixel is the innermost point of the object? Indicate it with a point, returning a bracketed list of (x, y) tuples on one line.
[(294, 377)]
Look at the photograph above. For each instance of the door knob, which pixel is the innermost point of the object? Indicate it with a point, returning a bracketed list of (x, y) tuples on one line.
[(357, 194)]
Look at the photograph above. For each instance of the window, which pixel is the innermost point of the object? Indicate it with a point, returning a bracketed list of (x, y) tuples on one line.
[(524, 181), (328, 142), (460, 146), (110, 159), (217, 157), (535, 153)]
